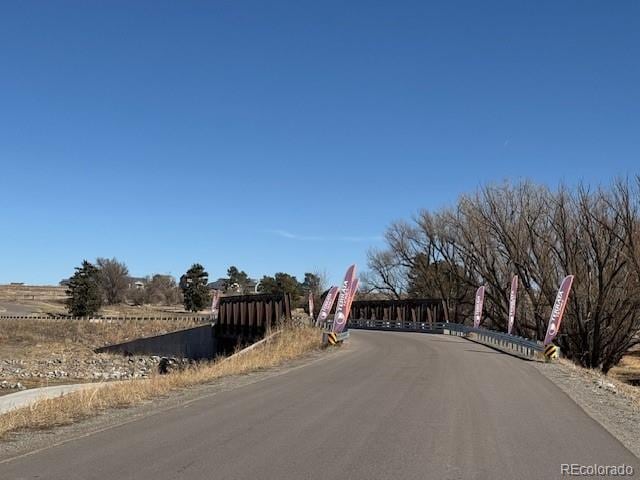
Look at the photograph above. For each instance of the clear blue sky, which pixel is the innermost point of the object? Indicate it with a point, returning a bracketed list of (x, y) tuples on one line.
[(285, 136)]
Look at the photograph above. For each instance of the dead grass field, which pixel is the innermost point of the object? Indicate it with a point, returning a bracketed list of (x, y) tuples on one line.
[(25, 339), (58, 307), (55, 333), (628, 370), (293, 342)]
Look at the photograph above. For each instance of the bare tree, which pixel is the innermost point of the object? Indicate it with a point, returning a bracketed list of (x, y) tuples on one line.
[(386, 276), (113, 279), (541, 236), (163, 289)]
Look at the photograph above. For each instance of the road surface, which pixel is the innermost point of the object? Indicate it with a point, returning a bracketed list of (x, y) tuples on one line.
[(27, 397), (389, 406)]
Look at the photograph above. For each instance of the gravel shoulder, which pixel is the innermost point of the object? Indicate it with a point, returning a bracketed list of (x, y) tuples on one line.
[(613, 404)]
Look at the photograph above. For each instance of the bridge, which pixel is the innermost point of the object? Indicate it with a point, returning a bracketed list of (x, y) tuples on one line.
[(241, 320), (429, 316)]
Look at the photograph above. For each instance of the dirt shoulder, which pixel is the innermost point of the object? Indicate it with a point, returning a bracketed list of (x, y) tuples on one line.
[(613, 404)]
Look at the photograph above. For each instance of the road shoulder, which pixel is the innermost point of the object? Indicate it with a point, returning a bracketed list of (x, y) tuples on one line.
[(608, 402)]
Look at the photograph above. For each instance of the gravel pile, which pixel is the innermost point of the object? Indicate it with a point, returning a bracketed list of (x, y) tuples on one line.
[(98, 367), (4, 385)]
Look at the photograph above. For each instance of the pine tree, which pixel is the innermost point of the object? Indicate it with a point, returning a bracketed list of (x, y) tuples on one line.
[(237, 281), (194, 288), (85, 296)]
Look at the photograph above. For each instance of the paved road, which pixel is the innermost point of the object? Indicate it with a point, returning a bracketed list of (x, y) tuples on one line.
[(392, 406), (26, 397)]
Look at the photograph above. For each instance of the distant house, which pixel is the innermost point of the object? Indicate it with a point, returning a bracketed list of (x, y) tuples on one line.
[(219, 284), (137, 282), (234, 289), (252, 286)]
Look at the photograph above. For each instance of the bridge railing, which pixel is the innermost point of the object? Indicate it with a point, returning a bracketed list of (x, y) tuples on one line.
[(399, 325), (503, 341)]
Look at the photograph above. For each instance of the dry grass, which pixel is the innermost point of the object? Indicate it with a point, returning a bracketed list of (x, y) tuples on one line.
[(628, 370), (58, 307), (88, 333), (293, 342), (597, 377)]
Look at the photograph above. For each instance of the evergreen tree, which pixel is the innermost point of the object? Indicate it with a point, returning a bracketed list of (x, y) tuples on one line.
[(194, 288), (281, 283), (312, 283), (237, 280), (85, 295)]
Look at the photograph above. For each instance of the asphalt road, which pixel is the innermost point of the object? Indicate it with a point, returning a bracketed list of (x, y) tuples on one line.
[(390, 406), (26, 397)]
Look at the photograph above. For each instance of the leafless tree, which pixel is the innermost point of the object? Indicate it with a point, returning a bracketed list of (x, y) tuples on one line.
[(162, 289), (541, 236), (113, 279)]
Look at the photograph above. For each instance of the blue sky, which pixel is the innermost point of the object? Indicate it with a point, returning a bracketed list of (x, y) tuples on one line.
[(286, 135)]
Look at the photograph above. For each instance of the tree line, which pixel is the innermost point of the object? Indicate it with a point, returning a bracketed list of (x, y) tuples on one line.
[(541, 235), (107, 282)]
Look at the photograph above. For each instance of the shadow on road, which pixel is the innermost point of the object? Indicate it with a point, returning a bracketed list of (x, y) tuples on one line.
[(484, 351)]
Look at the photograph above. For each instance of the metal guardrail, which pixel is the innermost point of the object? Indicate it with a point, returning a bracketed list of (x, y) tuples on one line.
[(397, 325), (503, 341), (500, 340), (331, 338)]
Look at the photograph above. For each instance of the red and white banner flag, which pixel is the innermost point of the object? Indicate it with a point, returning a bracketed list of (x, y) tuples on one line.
[(311, 304), (512, 303), (558, 309), (340, 318), (215, 303), (352, 294), (327, 305), (477, 310)]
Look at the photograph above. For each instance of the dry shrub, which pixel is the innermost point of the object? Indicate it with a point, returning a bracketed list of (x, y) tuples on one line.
[(291, 343), (630, 392)]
